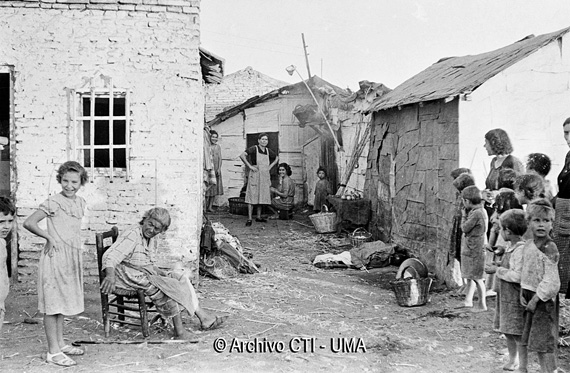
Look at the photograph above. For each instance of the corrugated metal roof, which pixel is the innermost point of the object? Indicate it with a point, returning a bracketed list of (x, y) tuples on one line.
[(455, 75)]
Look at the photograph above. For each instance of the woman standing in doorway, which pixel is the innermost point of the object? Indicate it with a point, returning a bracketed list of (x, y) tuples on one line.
[(259, 159), (218, 189), (561, 228)]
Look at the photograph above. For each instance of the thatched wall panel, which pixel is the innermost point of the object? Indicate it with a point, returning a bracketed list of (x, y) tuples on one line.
[(428, 158), (422, 143)]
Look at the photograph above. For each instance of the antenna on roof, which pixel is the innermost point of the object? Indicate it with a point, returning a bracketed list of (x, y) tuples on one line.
[(306, 55)]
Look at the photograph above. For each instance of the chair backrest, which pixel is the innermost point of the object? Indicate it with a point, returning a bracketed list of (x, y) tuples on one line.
[(101, 248)]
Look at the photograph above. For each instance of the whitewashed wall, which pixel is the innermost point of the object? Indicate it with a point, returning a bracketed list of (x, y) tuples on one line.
[(146, 46), (530, 100)]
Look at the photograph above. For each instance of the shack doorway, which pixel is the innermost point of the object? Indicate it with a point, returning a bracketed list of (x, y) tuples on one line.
[(6, 162)]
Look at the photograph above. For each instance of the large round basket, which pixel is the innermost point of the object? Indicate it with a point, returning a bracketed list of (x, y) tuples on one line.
[(324, 222), (411, 292), (359, 236)]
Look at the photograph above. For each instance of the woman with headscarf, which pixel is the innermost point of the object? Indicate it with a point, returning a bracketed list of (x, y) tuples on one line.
[(129, 264)]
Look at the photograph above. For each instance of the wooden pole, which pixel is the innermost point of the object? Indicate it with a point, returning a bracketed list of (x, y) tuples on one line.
[(306, 54)]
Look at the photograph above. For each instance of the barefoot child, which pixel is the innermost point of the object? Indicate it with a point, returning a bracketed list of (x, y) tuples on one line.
[(322, 190), (474, 229), (7, 213), (462, 178), (540, 284), (60, 273), (509, 311)]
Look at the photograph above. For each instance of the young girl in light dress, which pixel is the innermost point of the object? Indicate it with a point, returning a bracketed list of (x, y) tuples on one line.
[(60, 273)]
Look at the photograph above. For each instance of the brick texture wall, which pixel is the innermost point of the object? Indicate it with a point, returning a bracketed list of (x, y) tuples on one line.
[(237, 88), (147, 46)]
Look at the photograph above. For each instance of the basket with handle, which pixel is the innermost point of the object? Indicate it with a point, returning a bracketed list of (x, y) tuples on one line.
[(414, 290), (359, 236), (324, 222)]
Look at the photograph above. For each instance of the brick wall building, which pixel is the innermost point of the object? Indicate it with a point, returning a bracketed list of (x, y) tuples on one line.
[(61, 61)]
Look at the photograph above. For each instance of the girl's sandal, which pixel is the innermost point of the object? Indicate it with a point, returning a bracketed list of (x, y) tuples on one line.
[(64, 361), (71, 350)]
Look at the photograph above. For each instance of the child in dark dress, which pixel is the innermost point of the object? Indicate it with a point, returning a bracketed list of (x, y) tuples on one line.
[(322, 190), (509, 311)]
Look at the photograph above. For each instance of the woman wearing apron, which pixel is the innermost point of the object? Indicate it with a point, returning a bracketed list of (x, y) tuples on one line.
[(259, 159)]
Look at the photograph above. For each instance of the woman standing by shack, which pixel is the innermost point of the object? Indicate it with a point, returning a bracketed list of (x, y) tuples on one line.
[(259, 159), (561, 226), (498, 145), (218, 188)]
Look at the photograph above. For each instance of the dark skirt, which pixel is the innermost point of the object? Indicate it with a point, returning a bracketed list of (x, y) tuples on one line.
[(540, 327), (509, 311), (561, 237)]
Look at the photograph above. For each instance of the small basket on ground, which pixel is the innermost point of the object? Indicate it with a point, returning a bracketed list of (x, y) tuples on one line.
[(412, 292), (238, 206), (324, 222), (360, 236)]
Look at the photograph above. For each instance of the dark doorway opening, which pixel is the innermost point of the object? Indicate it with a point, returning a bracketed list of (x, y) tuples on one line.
[(5, 170)]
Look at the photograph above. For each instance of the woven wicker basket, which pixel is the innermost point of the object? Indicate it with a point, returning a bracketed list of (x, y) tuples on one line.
[(412, 292), (359, 236), (238, 206), (324, 222)]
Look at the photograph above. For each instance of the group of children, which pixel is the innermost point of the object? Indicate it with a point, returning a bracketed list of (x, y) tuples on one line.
[(60, 272), (524, 263)]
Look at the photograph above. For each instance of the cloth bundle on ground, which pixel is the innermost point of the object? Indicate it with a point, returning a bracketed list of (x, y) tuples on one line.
[(375, 254), (221, 254)]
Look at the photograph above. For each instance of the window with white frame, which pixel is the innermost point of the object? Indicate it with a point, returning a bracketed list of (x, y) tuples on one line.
[(101, 125)]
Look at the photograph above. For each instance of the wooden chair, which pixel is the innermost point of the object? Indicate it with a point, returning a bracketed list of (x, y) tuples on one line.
[(121, 300)]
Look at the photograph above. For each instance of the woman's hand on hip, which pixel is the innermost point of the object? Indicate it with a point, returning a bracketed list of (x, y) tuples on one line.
[(254, 168), (51, 247)]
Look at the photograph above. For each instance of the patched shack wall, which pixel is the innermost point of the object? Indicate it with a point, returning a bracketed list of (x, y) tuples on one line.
[(149, 47), (412, 152)]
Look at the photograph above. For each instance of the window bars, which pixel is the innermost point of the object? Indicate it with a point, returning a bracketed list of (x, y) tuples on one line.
[(101, 121)]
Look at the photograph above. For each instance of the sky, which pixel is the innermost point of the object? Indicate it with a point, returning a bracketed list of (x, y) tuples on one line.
[(383, 41)]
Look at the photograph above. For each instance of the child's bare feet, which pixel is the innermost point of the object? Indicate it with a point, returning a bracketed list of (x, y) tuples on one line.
[(511, 365), (183, 335)]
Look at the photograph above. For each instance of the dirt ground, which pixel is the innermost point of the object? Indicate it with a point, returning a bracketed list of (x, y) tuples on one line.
[(292, 317)]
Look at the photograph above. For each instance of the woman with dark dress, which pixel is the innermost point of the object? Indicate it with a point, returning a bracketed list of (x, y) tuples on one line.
[(561, 228), (259, 159), (284, 195), (498, 145)]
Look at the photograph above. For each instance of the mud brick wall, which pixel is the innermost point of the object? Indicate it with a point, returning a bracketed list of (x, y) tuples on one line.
[(412, 152), (149, 47), (237, 88)]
